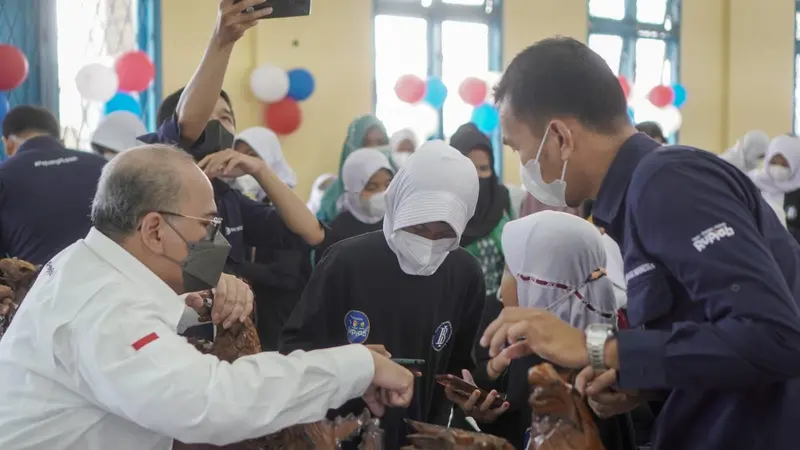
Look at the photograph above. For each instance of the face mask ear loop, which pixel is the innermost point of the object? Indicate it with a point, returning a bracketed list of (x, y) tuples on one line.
[(544, 138), (564, 170)]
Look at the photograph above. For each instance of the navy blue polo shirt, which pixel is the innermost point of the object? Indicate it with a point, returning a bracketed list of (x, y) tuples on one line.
[(713, 288), (46, 194), (245, 222)]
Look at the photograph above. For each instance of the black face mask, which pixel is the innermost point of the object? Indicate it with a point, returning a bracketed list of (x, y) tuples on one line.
[(215, 138), (204, 262)]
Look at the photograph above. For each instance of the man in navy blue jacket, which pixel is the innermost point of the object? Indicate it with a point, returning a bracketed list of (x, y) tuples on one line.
[(46, 190), (713, 278)]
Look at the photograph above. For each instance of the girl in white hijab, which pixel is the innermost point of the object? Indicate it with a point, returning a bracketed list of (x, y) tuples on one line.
[(559, 263), (402, 145), (318, 188), (748, 151), (780, 174), (263, 143), (116, 133), (366, 174)]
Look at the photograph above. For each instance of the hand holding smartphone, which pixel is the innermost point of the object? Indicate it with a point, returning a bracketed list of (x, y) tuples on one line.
[(465, 388), (282, 8)]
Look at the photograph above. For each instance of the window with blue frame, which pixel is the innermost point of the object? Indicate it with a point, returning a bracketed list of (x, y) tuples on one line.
[(639, 39), (108, 29), (451, 39)]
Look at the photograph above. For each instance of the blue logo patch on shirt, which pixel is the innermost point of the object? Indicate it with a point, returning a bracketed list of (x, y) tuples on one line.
[(442, 335), (526, 440), (357, 325)]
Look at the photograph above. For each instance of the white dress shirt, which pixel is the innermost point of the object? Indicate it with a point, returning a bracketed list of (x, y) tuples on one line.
[(92, 361)]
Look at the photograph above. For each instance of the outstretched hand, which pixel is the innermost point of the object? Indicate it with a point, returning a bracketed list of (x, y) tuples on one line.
[(472, 406), (234, 19)]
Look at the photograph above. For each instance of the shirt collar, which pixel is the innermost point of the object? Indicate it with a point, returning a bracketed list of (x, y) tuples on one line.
[(169, 305), (41, 143), (608, 204)]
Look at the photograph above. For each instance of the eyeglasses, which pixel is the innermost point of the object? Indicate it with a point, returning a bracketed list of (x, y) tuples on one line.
[(213, 225), (594, 276)]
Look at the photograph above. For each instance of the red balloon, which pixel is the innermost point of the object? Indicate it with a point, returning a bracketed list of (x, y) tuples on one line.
[(410, 88), (473, 91), (135, 71), (283, 117), (661, 96), (13, 67), (625, 85)]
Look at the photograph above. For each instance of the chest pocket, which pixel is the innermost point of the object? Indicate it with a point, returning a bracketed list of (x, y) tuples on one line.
[(649, 294)]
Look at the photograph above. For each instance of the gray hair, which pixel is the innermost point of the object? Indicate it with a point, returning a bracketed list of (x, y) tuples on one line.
[(135, 183)]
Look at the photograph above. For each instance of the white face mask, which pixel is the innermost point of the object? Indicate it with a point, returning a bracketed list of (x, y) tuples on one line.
[(779, 173), (552, 194), (250, 187), (399, 159), (418, 255), (375, 206)]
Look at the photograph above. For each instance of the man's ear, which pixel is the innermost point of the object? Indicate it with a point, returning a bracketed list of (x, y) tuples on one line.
[(566, 141), (151, 231), (10, 145)]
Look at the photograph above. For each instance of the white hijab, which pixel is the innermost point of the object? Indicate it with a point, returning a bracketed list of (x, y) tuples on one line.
[(118, 131), (358, 168), (399, 159), (438, 184), (315, 198), (267, 145), (552, 255), (747, 152)]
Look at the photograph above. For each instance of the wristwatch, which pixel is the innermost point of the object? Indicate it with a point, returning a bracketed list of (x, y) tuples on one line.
[(596, 336)]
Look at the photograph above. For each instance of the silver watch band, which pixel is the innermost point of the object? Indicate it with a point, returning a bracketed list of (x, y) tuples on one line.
[(597, 335)]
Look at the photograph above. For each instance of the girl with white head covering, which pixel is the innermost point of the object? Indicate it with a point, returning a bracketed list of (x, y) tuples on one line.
[(402, 145), (318, 188), (116, 133), (410, 288), (263, 143), (780, 174), (747, 153), (366, 175)]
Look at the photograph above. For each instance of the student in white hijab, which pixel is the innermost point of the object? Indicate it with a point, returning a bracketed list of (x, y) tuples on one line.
[(366, 175), (116, 133), (780, 174), (318, 188), (410, 288), (747, 153), (402, 145), (263, 143)]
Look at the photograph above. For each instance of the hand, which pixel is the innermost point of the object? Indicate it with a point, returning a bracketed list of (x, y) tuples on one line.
[(604, 400), (484, 412), (497, 365), (379, 349), (392, 386), (233, 21), (233, 300), (230, 163), (533, 330)]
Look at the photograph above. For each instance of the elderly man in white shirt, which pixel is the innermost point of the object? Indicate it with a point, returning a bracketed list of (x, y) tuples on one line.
[(92, 359)]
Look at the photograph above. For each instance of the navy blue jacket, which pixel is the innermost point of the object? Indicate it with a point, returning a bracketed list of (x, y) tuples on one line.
[(246, 223), (46, 194), (713, 283)]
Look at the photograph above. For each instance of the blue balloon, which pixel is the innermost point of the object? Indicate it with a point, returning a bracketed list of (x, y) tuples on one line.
[(436, 92), (301, 84), (486, 118), (122, 101), (680, 95), (631, 114)]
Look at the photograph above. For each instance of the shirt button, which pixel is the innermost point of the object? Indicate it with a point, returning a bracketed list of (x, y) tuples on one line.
[(735, 287)]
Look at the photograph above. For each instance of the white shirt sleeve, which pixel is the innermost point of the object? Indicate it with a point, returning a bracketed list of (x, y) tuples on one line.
[(168, 387)]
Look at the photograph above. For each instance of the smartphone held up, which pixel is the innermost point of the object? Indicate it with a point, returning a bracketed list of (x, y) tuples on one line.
[(283, 8)]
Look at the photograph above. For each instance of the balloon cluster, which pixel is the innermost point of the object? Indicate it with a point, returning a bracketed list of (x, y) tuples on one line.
[(425, 98), (660, 104), (117, 87), (281, 92), (13, 72), (476, 92)]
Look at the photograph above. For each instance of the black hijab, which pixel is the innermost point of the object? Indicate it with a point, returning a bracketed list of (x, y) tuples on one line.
[(493, 199)]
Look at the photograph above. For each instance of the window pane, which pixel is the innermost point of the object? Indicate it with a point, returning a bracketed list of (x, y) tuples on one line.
[(650, 68), (107, 29), (465, 2), (651, 11), (394, 58), (609, 9), (465, 53), (609, 48)]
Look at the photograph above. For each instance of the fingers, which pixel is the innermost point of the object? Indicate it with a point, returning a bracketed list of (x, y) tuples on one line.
[(602, 382), (516, 350), (498, 340), (237, 296), (486, 405), (470, 403), (248, 304), (467, 376), (583, 378), (609, 398), (195, 301), (371, 398)]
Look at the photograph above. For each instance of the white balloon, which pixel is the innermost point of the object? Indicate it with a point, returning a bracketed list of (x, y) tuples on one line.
[(424, 121), (269, 83), (97, 82), (670, 120)]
